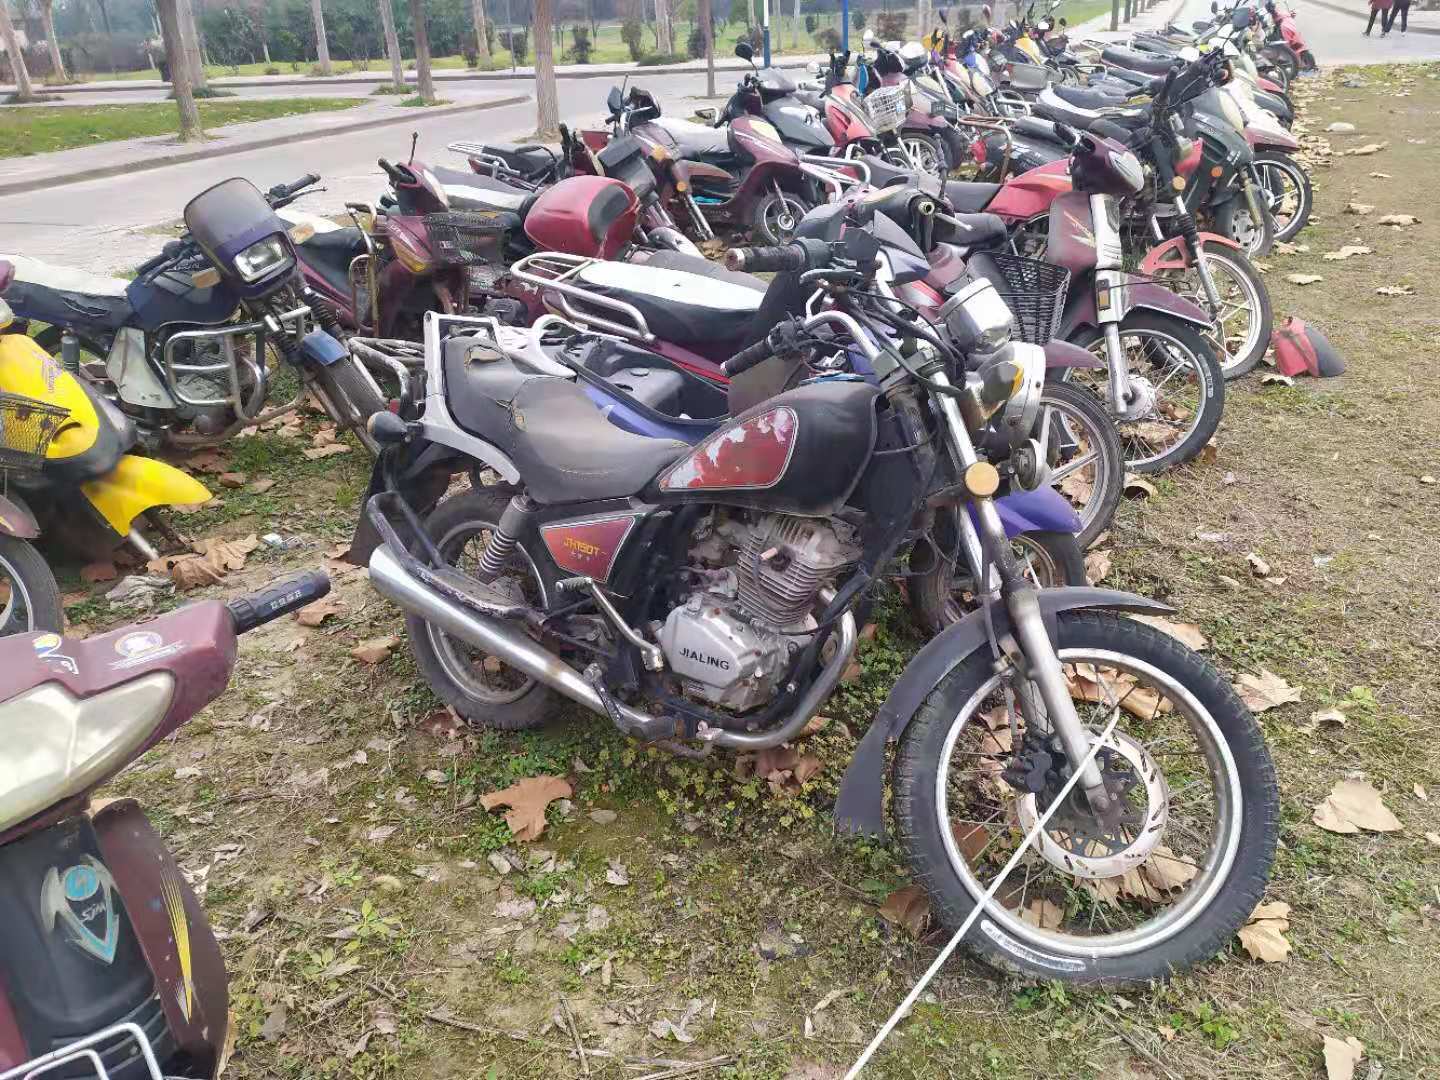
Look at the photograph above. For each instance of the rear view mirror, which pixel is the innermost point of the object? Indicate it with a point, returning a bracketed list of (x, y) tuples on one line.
[(615, 101), (744, 51), (1240, 19), (814, 67)]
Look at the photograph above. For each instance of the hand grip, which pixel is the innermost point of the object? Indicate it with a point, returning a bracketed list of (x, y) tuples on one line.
[(767, 259), (261, 607), (747, 358), (284, 191)]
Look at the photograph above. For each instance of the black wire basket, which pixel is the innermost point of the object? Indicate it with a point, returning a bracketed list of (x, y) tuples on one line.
[(1035, 292), (26, 428), (460, 239)]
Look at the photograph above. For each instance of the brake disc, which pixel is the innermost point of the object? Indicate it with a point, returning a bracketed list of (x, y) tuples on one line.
[(1076, 842)]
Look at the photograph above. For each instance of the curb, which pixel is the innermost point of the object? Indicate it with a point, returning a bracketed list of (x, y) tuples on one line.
[(1366, 14), (448, 75), (199, 153)]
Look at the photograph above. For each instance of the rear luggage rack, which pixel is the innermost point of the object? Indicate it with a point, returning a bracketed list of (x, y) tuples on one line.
[(553, 273), (88, 1052)]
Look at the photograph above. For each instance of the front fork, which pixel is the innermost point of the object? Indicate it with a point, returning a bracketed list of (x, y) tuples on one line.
[(1191, 232), (1034, 656)]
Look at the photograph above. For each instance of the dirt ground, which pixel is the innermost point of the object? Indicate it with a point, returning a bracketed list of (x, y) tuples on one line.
[(329, 812)]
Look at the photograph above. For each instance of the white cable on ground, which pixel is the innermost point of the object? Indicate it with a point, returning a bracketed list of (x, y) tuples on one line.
[(903, 1009)]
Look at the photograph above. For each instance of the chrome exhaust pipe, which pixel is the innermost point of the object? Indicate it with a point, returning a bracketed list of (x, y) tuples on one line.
[(508, 643)]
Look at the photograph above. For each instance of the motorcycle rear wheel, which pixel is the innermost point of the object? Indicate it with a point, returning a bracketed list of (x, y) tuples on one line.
[(1168, 884), (1286, 187)]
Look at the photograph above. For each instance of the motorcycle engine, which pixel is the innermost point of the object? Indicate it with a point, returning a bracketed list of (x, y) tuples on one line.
[(732, 639)]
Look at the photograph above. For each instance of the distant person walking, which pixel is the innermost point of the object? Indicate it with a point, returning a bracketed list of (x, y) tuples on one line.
[(1382, 9), (1401, 11)]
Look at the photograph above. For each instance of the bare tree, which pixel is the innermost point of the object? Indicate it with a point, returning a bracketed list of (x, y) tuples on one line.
[(189, 45), (322, 46), (547, 104), (1114, 14), (23, 88), (392, 44), (664, 27), (482, 43), (707, 34), (47, 18), (795, 27), (170, 23), (424, 81)]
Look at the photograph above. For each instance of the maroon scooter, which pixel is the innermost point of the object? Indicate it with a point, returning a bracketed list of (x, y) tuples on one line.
[(108, 966)]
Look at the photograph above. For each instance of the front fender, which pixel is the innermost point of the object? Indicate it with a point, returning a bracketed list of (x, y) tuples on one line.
[(1041, 510), (859, 809), (1138, 294), (17, 521), (1062, 354), (137, 484), (1174, 254)]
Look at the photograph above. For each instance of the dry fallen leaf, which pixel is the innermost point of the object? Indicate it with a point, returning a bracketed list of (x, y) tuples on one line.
[(1394, 290), (1097, 566), (1138, 486), (259, 487), (314, 453), (316, 613), (1358, 208), (1185, 633), (1265, 691), (1347, 252), (527, 800), (1319, 719), (1366, 150), (1342, 1057), (1401, 220), (907, 908), (222, 555), (1258, 566), (233, 479), (1263, 935), (374, 650), (1353, 805), (1433, 837), (1303, 279)]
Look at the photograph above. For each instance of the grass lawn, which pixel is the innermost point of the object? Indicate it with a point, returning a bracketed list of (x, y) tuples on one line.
[(39, 130)]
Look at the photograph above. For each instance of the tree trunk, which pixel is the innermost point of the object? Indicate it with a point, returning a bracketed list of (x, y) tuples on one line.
[(175, 53), (664, 27), (547, 105), (1114, 14), (190, 44), (322, 46), (47, 17), (482, 44), (707, 30), (392, 44), (795, 27), (424, 83), (23, 89), (265, 50)]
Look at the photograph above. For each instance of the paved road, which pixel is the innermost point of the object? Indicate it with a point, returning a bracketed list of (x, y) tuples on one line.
[(1339, 39), (108, 225)]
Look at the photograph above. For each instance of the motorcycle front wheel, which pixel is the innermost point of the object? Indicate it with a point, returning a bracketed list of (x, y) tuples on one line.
[(776, 216), (1242, 327), (945, 593), (1162, 883), (29, 595)]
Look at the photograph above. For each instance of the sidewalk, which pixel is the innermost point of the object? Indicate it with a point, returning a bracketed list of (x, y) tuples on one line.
[(1161, 13), (1419, 22), (376, 78), (134, 155)]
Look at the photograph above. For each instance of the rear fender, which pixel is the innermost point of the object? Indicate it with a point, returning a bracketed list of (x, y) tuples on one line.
[(17, 521), (172, 931), (859, 808), (137, 484), (1174, 254)]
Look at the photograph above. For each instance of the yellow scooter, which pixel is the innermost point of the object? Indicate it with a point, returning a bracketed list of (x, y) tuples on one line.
[(64, 461)]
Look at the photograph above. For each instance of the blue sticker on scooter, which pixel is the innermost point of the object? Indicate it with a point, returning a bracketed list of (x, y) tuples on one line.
[(82, 901)]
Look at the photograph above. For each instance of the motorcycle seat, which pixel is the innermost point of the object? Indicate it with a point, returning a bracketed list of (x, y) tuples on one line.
[(972, 231), (966, 197), (697, 264), (1050, 106), (65, 296), (695, 140), (329, 254), (678, 306), (469, 190), (567, 452), (1134, 60), (1087, 98)]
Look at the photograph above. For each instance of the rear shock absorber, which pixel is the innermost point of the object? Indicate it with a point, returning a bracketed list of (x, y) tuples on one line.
[(505, 538)]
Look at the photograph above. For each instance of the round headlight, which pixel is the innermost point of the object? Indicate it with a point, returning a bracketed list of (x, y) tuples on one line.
[(1127, 165), (976, 319)]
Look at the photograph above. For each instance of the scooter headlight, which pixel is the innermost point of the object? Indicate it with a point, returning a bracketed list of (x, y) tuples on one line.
[(1022, 408), (976, 319), (1127, 165), (263, 258)]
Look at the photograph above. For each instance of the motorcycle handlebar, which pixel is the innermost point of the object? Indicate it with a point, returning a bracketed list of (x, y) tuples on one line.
[(261, 607), (747, 358), (768, 259), (396, 173), (284, 191)]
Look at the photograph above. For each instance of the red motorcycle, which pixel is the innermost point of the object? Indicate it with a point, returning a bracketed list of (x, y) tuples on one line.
[(108, 966)]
